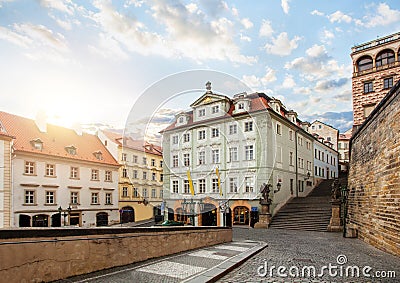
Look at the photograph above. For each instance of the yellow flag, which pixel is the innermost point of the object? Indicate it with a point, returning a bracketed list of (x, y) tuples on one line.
[(190, 183), (219, 181)]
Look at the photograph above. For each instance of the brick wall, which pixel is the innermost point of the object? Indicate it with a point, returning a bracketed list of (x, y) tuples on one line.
[(374, 176), (360, 98)]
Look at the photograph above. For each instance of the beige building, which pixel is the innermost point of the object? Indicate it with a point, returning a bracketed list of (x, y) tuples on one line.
[(344, 150), (325, 133), (140, 176), (6, 142), (376, 68), (59, 176)]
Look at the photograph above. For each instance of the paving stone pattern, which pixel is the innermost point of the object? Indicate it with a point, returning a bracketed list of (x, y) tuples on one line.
[(305, 248), (176, 268)]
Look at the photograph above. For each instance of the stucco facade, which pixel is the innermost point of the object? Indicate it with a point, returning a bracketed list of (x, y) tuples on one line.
[(60, 177), (5, 180), (140, 176), (230, 148)]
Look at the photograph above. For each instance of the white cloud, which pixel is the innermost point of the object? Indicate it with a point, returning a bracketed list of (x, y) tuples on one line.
[(188, 31), (327, 36), (252, 81), (109, 48), (270, 76), (266, 29), (285, 6), (339, 17), (317, 13), (15, 38), (383, 16), (192, 7), (247, 23), (288, 82), (317, 64), (65, 6), (195, 36), (282, 45), (255, 82), (245, 38), (136, 3), (235, 12)]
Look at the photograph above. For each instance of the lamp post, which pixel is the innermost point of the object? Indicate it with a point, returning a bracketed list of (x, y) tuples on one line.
[(278, 187), (223, 206)]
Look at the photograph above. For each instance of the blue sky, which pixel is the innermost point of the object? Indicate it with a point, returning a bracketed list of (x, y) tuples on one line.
[(88, 61)]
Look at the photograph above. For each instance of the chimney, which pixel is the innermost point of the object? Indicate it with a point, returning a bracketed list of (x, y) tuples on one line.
[(41, 121)]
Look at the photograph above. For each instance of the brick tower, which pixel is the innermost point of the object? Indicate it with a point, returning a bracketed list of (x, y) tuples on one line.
[(376, 68)]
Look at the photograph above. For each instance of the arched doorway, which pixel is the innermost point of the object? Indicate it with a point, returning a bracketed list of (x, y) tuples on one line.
[(24, 220), (228, 217), (241, 215), (127, 214), (157, 214), (40, 220), (209, 215), (102, 219), (170, 214), (56, 220)]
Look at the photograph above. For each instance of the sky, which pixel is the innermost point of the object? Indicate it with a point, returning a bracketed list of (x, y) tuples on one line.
[(89, 61)]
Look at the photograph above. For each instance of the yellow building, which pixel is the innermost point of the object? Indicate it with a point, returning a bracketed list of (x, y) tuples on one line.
[(5, 178), (140, 176)]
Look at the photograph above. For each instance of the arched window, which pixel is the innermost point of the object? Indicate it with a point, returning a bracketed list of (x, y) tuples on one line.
[(364, 63), (385, 57)]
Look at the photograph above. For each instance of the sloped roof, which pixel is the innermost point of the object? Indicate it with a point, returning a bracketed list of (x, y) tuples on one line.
[(258, 102), (55, 140), (133, 144)]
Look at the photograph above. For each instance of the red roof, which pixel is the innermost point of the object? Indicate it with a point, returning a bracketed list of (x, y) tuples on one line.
[(258, 102), (55, 140), (134, 144)]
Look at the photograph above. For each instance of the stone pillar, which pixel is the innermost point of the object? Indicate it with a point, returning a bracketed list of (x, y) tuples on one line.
[(334, 223), (264, 217)]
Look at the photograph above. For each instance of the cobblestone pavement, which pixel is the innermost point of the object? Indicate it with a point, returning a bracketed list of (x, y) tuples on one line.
[(198, 265), (298, 249)]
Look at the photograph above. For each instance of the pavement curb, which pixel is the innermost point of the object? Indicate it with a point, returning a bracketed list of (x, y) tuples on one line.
[(215, 273)]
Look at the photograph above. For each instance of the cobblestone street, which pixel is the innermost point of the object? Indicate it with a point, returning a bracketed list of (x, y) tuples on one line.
[(291, 248)]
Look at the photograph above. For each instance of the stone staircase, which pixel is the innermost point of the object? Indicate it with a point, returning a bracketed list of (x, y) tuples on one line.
[(311, 213)]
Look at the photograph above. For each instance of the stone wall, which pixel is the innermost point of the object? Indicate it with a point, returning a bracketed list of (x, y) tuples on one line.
[(374, 176), (51, 254)]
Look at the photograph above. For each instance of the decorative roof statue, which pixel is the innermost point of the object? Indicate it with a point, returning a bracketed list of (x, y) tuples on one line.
[(208, 87)]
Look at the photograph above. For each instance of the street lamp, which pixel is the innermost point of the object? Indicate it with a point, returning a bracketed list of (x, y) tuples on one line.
[(223, 206), (278, 187)]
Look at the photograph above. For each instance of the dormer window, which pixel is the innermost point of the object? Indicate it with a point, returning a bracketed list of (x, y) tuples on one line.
[(215, 109), (277, 108), (71, 149), (241, 106), (181, 120), (37, 144), (98, 155), (202, 112)]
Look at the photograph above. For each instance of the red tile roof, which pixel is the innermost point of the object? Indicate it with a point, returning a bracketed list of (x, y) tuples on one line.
[(55, 140), (134, 144), (258, 102)]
